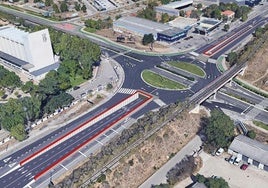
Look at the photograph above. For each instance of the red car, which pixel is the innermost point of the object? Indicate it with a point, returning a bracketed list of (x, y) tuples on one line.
[(244, 167)]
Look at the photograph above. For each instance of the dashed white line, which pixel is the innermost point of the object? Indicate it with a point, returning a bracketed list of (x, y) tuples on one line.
[(64, 167), (82, 154), (99, 142)]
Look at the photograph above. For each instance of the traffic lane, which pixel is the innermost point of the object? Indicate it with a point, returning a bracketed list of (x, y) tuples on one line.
[(251, 98), (232, 101), (232, 32), (236, 41), (262, 116), (172, 76), (237, 87), (41, 162), (218, 105), (40, 143)]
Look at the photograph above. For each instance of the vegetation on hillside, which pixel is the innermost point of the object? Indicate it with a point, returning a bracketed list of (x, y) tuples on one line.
[(212, 182), (219, 130)]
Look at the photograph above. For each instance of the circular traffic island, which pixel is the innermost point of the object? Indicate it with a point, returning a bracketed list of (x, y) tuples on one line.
[(158, 81)]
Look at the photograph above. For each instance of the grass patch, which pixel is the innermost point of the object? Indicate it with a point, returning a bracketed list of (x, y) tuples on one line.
[(261, 124), (250, 88), (90, 30), (160, 81), (174, 72), (239, 97), (194, 69), (77, 80)]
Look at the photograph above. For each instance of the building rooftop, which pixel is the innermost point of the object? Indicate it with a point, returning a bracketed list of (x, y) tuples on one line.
[(228, 13), (12, 59), (172, 32), (13, 33), (178, 4), (141, 25), (250, 148), (209, 21), (182, 22), (46, 69)]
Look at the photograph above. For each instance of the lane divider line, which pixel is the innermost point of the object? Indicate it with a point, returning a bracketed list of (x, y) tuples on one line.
[(148, 98)]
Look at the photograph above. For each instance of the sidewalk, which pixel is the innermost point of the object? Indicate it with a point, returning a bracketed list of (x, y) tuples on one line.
[(160, 175)]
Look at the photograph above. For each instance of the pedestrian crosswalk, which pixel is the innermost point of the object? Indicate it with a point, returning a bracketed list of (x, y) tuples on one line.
[(126, 91)]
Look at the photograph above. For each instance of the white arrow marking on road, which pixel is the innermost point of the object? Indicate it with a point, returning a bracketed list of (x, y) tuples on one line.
[(7, 159)]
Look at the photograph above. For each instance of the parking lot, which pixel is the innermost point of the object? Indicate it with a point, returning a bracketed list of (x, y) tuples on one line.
[(236, 178), (216, 165)]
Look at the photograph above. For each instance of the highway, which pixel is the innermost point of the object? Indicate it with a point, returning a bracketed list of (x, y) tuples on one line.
[(30, 170), (204, 88)]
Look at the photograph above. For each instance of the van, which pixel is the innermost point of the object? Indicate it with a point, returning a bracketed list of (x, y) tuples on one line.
[(232, 159)]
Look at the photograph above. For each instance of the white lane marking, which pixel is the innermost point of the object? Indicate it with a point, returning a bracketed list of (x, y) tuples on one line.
[(18, 166), (28, 185), (82, 154), (115, 131), (99, 142), (64, 167), (106, 135)]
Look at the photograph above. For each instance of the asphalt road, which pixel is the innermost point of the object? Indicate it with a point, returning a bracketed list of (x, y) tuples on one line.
[(249, 96), (25, 174), (133, 69)]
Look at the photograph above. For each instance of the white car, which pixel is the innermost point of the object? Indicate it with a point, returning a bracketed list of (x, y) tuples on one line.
[(219, 151), (237, 161)]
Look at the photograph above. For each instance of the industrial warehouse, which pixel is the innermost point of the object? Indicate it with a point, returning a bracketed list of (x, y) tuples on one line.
[(140, 27)]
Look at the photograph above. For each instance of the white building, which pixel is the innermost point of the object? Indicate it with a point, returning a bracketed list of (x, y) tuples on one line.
[(29, 52)]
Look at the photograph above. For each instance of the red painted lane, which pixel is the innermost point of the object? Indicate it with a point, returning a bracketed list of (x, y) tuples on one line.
[(24, 161), (38, 175), (223, 43)]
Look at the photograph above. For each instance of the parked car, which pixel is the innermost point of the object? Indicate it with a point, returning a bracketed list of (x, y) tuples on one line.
[(237, 161), (244, 166), (219, 151), (232, 159)]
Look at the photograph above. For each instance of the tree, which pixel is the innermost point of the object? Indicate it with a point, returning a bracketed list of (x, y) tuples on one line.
[(18, 132), (63, 6), (164, 18), (200, 178), (182, 13), (77, 6), (56, 8), (84, 8), (219, 130), (11, 114), (232, 58), (50, 84), (251, 134), (226, 27), (216, 183), (147, 39), (48, 2), (199, 6), (55, 102)]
